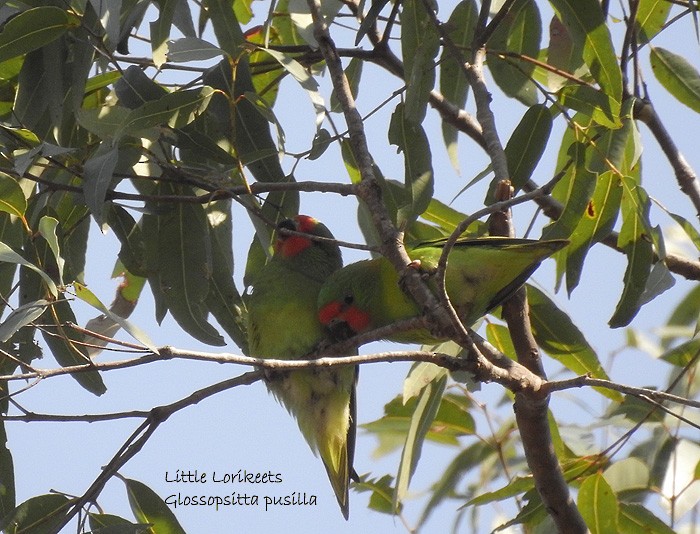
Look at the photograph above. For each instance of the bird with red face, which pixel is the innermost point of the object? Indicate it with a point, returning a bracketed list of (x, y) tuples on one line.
[(283, 324), (481, 274)]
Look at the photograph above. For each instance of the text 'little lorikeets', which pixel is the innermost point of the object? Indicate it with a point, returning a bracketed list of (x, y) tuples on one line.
[(481, 274), (283, 324)]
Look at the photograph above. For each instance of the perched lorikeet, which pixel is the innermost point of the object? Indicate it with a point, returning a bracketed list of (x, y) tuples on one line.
[(481, 274), (283, 324)]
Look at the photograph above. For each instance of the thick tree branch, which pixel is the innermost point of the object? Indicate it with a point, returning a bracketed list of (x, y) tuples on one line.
[(532, 408)]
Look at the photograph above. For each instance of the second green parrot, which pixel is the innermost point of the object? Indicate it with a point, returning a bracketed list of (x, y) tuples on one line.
[(481, 274), (283, 324)]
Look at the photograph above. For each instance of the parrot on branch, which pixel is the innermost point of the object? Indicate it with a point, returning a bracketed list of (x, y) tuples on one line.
[(481, 274), (283, 324)]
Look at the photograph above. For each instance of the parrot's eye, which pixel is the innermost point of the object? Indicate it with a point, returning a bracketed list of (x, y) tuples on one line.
[(349, 299)]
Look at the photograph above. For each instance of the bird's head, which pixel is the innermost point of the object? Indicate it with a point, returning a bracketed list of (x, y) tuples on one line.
[(303, 249), (342, 304)]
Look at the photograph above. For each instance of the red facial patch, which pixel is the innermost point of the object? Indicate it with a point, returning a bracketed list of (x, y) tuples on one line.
[(330, 311), (291, 245), (356, 319)]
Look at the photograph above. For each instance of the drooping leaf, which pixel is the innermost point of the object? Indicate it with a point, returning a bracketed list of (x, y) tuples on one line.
[(179, 264), (678, 76), (635, 241), (98, 172), (410, 139), (454, 85), (84, 294), (519, 34), (651, 16), (423, 416), (419, 46), (525, 147), (67, 345), (591, 40), (597, 222), (562, 340), (353, 73)]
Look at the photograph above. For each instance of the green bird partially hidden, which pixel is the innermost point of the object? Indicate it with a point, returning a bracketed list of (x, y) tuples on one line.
[(481, 274), (283, 324)]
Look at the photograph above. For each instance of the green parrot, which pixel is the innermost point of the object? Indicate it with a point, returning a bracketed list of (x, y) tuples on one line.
[(283, 324), (481, 274)]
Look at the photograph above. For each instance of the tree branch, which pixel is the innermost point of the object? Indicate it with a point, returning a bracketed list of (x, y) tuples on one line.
[(142, 434)]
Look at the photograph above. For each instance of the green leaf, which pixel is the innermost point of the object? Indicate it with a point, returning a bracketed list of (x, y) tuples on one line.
[(190, 49), (353, 73), (591, 39), (223, 299), (419, 46), (636, 518), (628, 474), (559, 337), (635, 241), (307, 82), (591, 102), (683, 354), (574, 190), (174, 109), (651, 17), (67, 345), (525, 147), (678, 76), (382, 491), (597, 222), (598, 505), (686, 225), (410, 139), (322, 140), (98, 172), (370, 19), (132, 252), (112, 524), (47, 230), (149, 508), (9, 255), (12, 199), (179, 257), (33, 29), (454, 85), (519, 33), (38, 515), (20, 317), (226, 27), (84, 294), (470, 458), (421, 421), (420, 375)]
